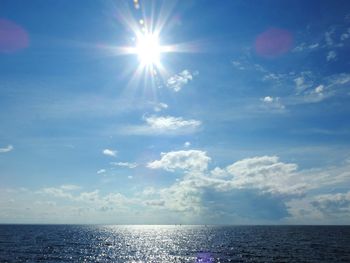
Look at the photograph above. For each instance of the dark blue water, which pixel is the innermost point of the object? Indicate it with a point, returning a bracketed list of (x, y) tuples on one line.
[(78, 243)]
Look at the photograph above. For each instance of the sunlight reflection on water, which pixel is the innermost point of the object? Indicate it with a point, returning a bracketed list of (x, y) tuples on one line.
[(76, 243)]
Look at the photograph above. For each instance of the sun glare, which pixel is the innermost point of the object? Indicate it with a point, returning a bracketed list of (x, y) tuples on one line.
[(148, 49), (146, 43)]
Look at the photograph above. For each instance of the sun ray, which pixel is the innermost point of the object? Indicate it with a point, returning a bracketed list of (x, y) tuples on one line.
[(147, 25)]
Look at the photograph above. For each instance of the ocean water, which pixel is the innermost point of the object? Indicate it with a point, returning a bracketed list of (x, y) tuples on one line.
[(84, 243)]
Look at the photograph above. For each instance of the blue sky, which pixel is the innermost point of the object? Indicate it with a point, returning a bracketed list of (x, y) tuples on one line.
[(244, 118)]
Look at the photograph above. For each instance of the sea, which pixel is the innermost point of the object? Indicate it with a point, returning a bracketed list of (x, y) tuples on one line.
[(175, 243)]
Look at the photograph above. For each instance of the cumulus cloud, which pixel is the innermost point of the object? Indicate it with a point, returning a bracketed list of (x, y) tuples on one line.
[(154, 202), (322, 208), (319, 89), (267, 99), (110, 152), (262, 179), (6, 149), (191, 160), (266, 173), (178, 81), (333, 204), (261, 187), (125, 164)]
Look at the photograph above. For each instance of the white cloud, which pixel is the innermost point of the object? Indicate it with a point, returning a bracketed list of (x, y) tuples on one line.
[(250, 182), (272, 76), (191, 160), (179, 80), (299, 81), (154, 203), (160, 106), (273, 103), (181, 197), (267, 99), (166, 125), (237, 64), (328, 37), (304, 47), (56, 192), (301, 47), (304, 81), (266, 173), (261, 176), (9, 148), (110, 152), (306, 92), (187, 144), (338, 79), (331, 208), (319, 89), (344, 36), (125, 164), (332, 55), (70, 187), (217, 172), (333, 204), (171, 123), (101, 171), (312, 46), (92, 198)]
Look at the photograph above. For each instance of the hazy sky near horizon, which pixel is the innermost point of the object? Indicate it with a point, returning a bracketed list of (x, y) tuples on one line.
[(165, 112)]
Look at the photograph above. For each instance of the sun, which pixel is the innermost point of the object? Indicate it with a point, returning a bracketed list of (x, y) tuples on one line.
[(148, 49)]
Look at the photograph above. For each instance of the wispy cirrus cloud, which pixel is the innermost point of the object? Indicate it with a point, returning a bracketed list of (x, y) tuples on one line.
[(157, 107), (332, 55), (304, 46), (178, 81), (6, 149), (125, 164), (273, 103), (166, 125), (171, 123)]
